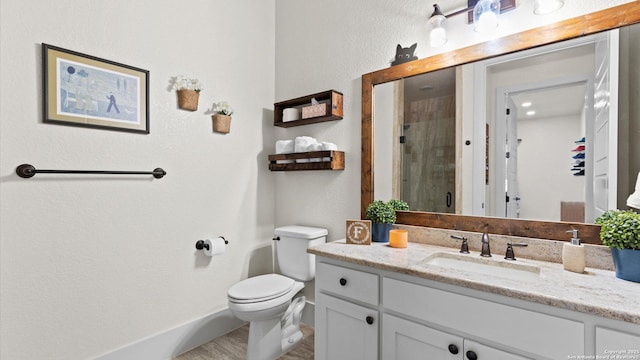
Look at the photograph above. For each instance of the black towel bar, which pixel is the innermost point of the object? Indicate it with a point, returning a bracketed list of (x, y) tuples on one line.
[(27, 171)]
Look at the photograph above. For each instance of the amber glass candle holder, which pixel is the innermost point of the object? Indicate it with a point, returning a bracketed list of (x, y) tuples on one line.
[(398, 238)]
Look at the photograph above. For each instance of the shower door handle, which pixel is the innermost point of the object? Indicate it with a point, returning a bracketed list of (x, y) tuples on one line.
[(449, 196)]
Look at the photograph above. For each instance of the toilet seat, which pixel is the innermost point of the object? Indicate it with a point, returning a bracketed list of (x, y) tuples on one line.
[(260, 288)]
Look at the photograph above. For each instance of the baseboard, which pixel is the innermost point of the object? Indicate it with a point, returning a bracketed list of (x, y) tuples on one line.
[(173, 342)]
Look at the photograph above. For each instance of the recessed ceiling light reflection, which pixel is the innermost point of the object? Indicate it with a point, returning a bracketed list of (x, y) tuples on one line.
[(531, 113), (526, 104)]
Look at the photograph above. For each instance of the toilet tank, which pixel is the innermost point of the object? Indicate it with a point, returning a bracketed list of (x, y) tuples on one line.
[(291, 250)]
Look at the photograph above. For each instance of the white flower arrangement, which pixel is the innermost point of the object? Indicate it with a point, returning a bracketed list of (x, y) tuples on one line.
[(222, 108), (181, 82)]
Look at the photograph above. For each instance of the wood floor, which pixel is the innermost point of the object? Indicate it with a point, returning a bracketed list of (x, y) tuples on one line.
[(233, 346)]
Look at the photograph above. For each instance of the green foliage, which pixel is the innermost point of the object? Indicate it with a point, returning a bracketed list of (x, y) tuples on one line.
[(620, 229), (381, 212), (399, 205)]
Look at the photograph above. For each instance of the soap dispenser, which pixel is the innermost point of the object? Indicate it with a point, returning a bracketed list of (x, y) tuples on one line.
[(573, 254)]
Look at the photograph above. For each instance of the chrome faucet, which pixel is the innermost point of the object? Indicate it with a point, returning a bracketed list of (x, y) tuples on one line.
[(486, 250)]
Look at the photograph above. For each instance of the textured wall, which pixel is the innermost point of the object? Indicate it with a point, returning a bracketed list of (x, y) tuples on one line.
[(90, 264)]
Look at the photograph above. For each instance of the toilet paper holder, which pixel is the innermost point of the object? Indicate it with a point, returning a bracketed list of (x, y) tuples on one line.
[(200, 244)]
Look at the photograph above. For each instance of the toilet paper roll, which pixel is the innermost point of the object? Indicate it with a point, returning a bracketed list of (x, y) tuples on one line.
[(290, 114), (216, 246)]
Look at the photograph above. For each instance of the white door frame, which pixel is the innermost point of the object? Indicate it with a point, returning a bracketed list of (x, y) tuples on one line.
[(501, 131)]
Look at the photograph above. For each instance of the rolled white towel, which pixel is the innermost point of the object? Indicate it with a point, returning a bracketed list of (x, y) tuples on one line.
[(328, 146), (284, 147), (303, 144)]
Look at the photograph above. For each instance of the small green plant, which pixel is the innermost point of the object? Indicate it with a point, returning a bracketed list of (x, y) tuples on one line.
[(381, 212), (620, 229), (399, 205)]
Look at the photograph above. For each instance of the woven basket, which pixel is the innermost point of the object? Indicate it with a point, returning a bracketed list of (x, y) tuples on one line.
[(221, 123), (188, 99)]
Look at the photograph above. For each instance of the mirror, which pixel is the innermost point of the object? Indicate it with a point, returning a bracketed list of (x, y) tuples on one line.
[(459, 196)]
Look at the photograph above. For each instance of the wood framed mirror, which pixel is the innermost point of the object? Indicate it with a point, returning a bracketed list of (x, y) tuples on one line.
[(588, 24)]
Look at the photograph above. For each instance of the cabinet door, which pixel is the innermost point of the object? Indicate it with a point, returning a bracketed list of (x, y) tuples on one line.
[(612, 343), (475, 351), (344, 330), (406, 340)]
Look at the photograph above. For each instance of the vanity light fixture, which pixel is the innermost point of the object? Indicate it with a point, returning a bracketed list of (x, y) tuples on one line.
[(485, 15), (541, 7), (437, 32), (482, 13)]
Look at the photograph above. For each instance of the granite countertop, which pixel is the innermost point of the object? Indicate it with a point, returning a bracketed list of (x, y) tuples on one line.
[(596, 291)]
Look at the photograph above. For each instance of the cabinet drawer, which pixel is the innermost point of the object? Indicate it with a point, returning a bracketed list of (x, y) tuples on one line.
[(542, 334), (349, 283)]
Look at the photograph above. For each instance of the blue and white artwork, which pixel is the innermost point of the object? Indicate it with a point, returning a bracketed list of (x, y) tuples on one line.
[(85, 91)]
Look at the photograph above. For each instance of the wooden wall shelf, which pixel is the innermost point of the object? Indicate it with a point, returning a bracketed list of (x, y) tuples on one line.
[(331, 160), (332, 98)]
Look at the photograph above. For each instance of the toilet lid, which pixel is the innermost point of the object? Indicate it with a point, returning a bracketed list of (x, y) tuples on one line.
[(261, 288)]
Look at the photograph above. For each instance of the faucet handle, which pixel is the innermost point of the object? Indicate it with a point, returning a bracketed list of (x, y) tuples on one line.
[(510, 255), (464, 248)]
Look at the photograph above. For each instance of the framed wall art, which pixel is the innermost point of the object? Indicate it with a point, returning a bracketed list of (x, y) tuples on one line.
[(83, 90)]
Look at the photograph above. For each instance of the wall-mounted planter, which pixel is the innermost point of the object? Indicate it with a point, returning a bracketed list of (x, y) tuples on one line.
[(221, 123), (188, 99)]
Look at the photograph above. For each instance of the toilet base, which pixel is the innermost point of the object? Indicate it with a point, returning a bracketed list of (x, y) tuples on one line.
[(268, 339)]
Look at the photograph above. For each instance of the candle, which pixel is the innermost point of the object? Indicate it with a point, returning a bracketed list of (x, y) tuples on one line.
[(398, 238)]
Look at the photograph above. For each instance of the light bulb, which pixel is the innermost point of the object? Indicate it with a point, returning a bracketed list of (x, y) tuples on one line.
[(438, 33), (485, 15), (438, 37), (541, 7)]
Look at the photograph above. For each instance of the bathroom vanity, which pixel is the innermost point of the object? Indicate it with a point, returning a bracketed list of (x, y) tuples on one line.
[(378, 302)]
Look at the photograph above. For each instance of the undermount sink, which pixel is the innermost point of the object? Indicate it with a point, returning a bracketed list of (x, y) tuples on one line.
[(484, 266)]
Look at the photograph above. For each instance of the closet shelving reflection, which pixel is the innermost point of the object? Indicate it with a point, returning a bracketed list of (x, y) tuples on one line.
[(578, 157)]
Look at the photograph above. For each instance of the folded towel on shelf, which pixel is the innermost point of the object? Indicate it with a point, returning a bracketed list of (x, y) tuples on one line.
[(304, 144), (316, 147), (285, 147), (328, 146)]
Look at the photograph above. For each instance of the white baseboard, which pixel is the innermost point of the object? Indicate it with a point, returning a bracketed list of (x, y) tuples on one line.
[(173, 342)]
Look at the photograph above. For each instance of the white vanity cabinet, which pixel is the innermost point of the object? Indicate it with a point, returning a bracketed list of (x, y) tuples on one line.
[(404, 339), (346, 313), (368, 313), (525, 331)]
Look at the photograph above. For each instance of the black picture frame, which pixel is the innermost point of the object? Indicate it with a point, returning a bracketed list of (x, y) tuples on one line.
[(87, 91)]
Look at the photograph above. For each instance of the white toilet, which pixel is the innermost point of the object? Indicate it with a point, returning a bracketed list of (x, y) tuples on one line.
[(266, 300)]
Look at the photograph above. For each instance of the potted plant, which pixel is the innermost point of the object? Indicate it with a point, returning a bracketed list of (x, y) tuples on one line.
[(382, 215), (222, 117), (188, 90), (620, 231)]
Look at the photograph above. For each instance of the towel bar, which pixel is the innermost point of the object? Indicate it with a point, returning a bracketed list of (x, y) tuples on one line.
[(27, 171)]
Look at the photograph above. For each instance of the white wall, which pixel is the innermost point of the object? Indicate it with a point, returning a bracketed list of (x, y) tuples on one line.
[(549, 140), (90, 264)]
